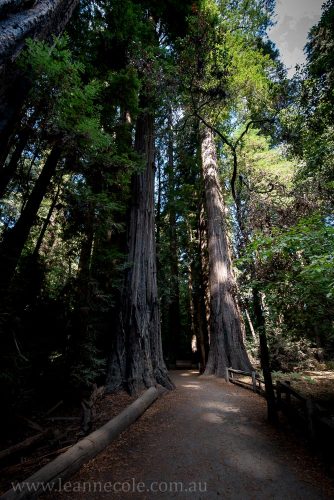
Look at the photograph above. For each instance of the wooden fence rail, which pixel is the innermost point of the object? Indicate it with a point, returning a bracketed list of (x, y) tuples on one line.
[(294, 405), (255, 383), (305, 411)]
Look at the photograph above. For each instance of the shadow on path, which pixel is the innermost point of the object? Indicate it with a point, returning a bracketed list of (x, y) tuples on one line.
[(205, 440)]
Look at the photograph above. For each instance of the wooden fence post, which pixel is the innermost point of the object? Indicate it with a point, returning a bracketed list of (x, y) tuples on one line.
[(254, 381), (278, 394), (227, 377), (310, 414), (288, 395)]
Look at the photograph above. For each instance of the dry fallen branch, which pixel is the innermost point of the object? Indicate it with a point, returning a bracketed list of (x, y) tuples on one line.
[(54, 408), (24, 445)]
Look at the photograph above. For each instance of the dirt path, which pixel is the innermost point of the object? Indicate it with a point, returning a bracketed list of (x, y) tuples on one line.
[(206, 435)]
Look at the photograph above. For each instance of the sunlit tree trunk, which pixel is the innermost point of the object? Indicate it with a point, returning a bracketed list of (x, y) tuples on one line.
[(226, 326)]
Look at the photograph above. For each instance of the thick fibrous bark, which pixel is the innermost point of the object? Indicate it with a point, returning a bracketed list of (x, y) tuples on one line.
[(43, 19), (136, 359), (11, 6), (226, 326)]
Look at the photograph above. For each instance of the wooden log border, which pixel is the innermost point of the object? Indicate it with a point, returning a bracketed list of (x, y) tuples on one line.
[(70, 462)]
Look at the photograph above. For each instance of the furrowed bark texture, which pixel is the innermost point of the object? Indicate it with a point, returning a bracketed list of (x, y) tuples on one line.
[(44, 18), (11, 6), (136, 359), (18, 21), (226, 326)]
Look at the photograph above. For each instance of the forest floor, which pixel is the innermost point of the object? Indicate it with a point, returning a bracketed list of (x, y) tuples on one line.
[(64, 424), (205, 435)]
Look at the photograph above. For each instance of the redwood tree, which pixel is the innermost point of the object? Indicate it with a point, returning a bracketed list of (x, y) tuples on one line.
[(136, 359), (226, 325)]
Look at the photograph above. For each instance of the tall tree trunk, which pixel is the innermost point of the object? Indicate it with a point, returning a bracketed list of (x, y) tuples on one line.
[(264, 355), (86, 256), (158, 214), (43, 19), (198, 289), (80, 324), (226, 326), (136, 360), (18, 144), (198, 311), (8, 170), (243, 239), (250, 324), (203, 292), (13, 91), (203, 247), (174, 321), (46, 222), (15, 238)]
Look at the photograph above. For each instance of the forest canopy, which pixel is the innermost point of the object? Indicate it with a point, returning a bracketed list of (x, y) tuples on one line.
[(166, 194)]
